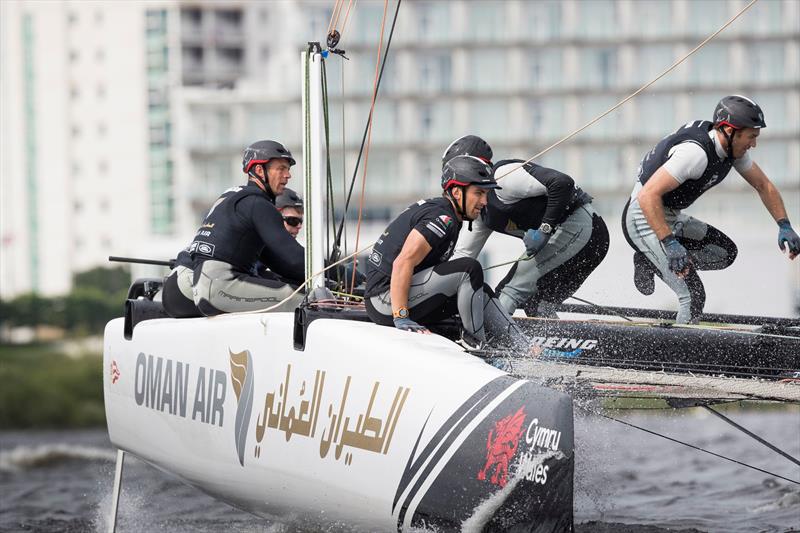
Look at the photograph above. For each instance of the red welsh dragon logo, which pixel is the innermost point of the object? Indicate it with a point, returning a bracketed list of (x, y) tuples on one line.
[(501, 447)]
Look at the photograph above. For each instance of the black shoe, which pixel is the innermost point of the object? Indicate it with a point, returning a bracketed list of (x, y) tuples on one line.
[(643, 274)]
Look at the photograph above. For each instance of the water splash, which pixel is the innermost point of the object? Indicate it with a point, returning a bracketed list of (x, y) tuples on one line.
[(485, 510), (45, 455)]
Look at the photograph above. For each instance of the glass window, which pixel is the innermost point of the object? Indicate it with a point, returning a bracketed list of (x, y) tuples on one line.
[(709, 65), (773, 158), (542, 20), (768, 18), (655, 114), (544, 69), (433, 21), (386, 122), (367, 26), (608, 126), (703, 105), (435, 121), (776, 113), (599, 67), (435, 72), (601, 168), (488, 118), (653, 60), (488, 70), (597, 18), (767, 61), (706, 16), (652, 17), (545, 118), (487, 21), (263, 121)]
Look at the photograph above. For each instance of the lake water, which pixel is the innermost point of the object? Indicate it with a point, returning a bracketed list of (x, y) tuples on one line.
[(61, 481)]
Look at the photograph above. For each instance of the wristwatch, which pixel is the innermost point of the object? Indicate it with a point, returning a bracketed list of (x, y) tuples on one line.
[(400, 313), (546, 228)]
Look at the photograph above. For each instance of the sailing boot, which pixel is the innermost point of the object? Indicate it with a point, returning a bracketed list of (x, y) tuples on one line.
[(643, 274)]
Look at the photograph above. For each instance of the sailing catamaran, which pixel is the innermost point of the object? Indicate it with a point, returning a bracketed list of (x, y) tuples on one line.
[(323, 419)]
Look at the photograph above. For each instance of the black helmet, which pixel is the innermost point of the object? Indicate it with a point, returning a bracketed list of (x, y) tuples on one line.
[(288, 198), (738, 112), (468, 145), (465, 170), (262, 151)]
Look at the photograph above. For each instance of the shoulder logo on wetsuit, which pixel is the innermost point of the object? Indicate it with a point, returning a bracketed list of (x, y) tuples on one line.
[(201, 247), (375, 258)]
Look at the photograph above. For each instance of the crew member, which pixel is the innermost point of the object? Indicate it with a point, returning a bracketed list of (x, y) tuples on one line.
[(242, 227), (410, 282), (672, 176), (565, 239), (290, 206)]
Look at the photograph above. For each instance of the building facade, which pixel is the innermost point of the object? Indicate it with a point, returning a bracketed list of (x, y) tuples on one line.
[(138, 139)]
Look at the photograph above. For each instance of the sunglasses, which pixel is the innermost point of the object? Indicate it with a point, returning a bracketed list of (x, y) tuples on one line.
[(293, 221)]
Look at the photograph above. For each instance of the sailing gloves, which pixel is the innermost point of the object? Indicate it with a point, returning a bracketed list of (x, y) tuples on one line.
[(676, 254), (406, 324), (788, 237), (535, 240)]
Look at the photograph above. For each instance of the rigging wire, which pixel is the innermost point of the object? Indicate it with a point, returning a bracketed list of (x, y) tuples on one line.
[(336, 248), (378, 73), (634, 94), (701, 449), (751, 434)]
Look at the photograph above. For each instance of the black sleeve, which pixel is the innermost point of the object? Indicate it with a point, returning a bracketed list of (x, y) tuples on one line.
[(433, 225), (560, 189), (281, 253)]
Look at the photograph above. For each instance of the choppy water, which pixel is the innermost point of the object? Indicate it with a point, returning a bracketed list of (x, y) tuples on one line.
[(61, 481)]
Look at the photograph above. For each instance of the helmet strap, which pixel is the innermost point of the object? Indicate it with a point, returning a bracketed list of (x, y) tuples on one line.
[(729, 138)]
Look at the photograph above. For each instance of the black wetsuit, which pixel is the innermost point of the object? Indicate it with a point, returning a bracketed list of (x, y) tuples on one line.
[(439, 289), (243, 227)]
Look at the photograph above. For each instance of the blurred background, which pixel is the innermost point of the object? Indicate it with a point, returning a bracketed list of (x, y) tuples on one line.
[(122, 122)]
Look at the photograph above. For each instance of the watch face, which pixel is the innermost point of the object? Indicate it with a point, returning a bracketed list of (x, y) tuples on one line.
[(546, 228), (402, 312)]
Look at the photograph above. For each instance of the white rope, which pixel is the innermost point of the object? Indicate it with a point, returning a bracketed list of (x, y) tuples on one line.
[(670, 69)]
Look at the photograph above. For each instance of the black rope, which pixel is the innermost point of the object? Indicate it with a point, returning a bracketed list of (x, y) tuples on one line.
[(752, 435), (336, 250), (701, 449)]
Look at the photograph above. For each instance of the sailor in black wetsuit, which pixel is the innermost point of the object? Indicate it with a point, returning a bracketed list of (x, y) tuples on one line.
[(411, 283), (243, 227), (565, 239), (672, 176)]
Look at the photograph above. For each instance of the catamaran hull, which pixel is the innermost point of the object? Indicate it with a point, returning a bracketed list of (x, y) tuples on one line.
[(367, 428)]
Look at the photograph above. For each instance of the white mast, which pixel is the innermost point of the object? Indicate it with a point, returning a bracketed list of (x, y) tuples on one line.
[(314, 227)]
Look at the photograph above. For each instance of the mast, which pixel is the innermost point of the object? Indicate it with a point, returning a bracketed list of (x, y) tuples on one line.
[(311, 62)]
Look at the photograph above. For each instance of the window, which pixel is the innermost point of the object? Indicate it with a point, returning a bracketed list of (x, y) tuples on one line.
[(709, 65), (706, 16), (545, 118), (597, 18), (544, 69), (653, 59), (652, 18), (487, 21), (488, 118), (591, 107), (433, 21), (656, 114), (602, 168), (435, 121), (542, 20), (435, 72), (767, 61), (488, 70), (599, 67)]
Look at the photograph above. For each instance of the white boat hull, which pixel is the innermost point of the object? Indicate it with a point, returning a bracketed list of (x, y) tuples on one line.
[(367, 427)]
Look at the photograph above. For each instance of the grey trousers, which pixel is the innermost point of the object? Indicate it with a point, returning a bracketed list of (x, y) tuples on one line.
[(708, 248), (571, 237), (218, 288), (441, 291)]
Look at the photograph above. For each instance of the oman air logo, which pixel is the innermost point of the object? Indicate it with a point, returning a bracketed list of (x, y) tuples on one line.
[(501, 446), (114, 372), (242, 380), (446, 220)]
